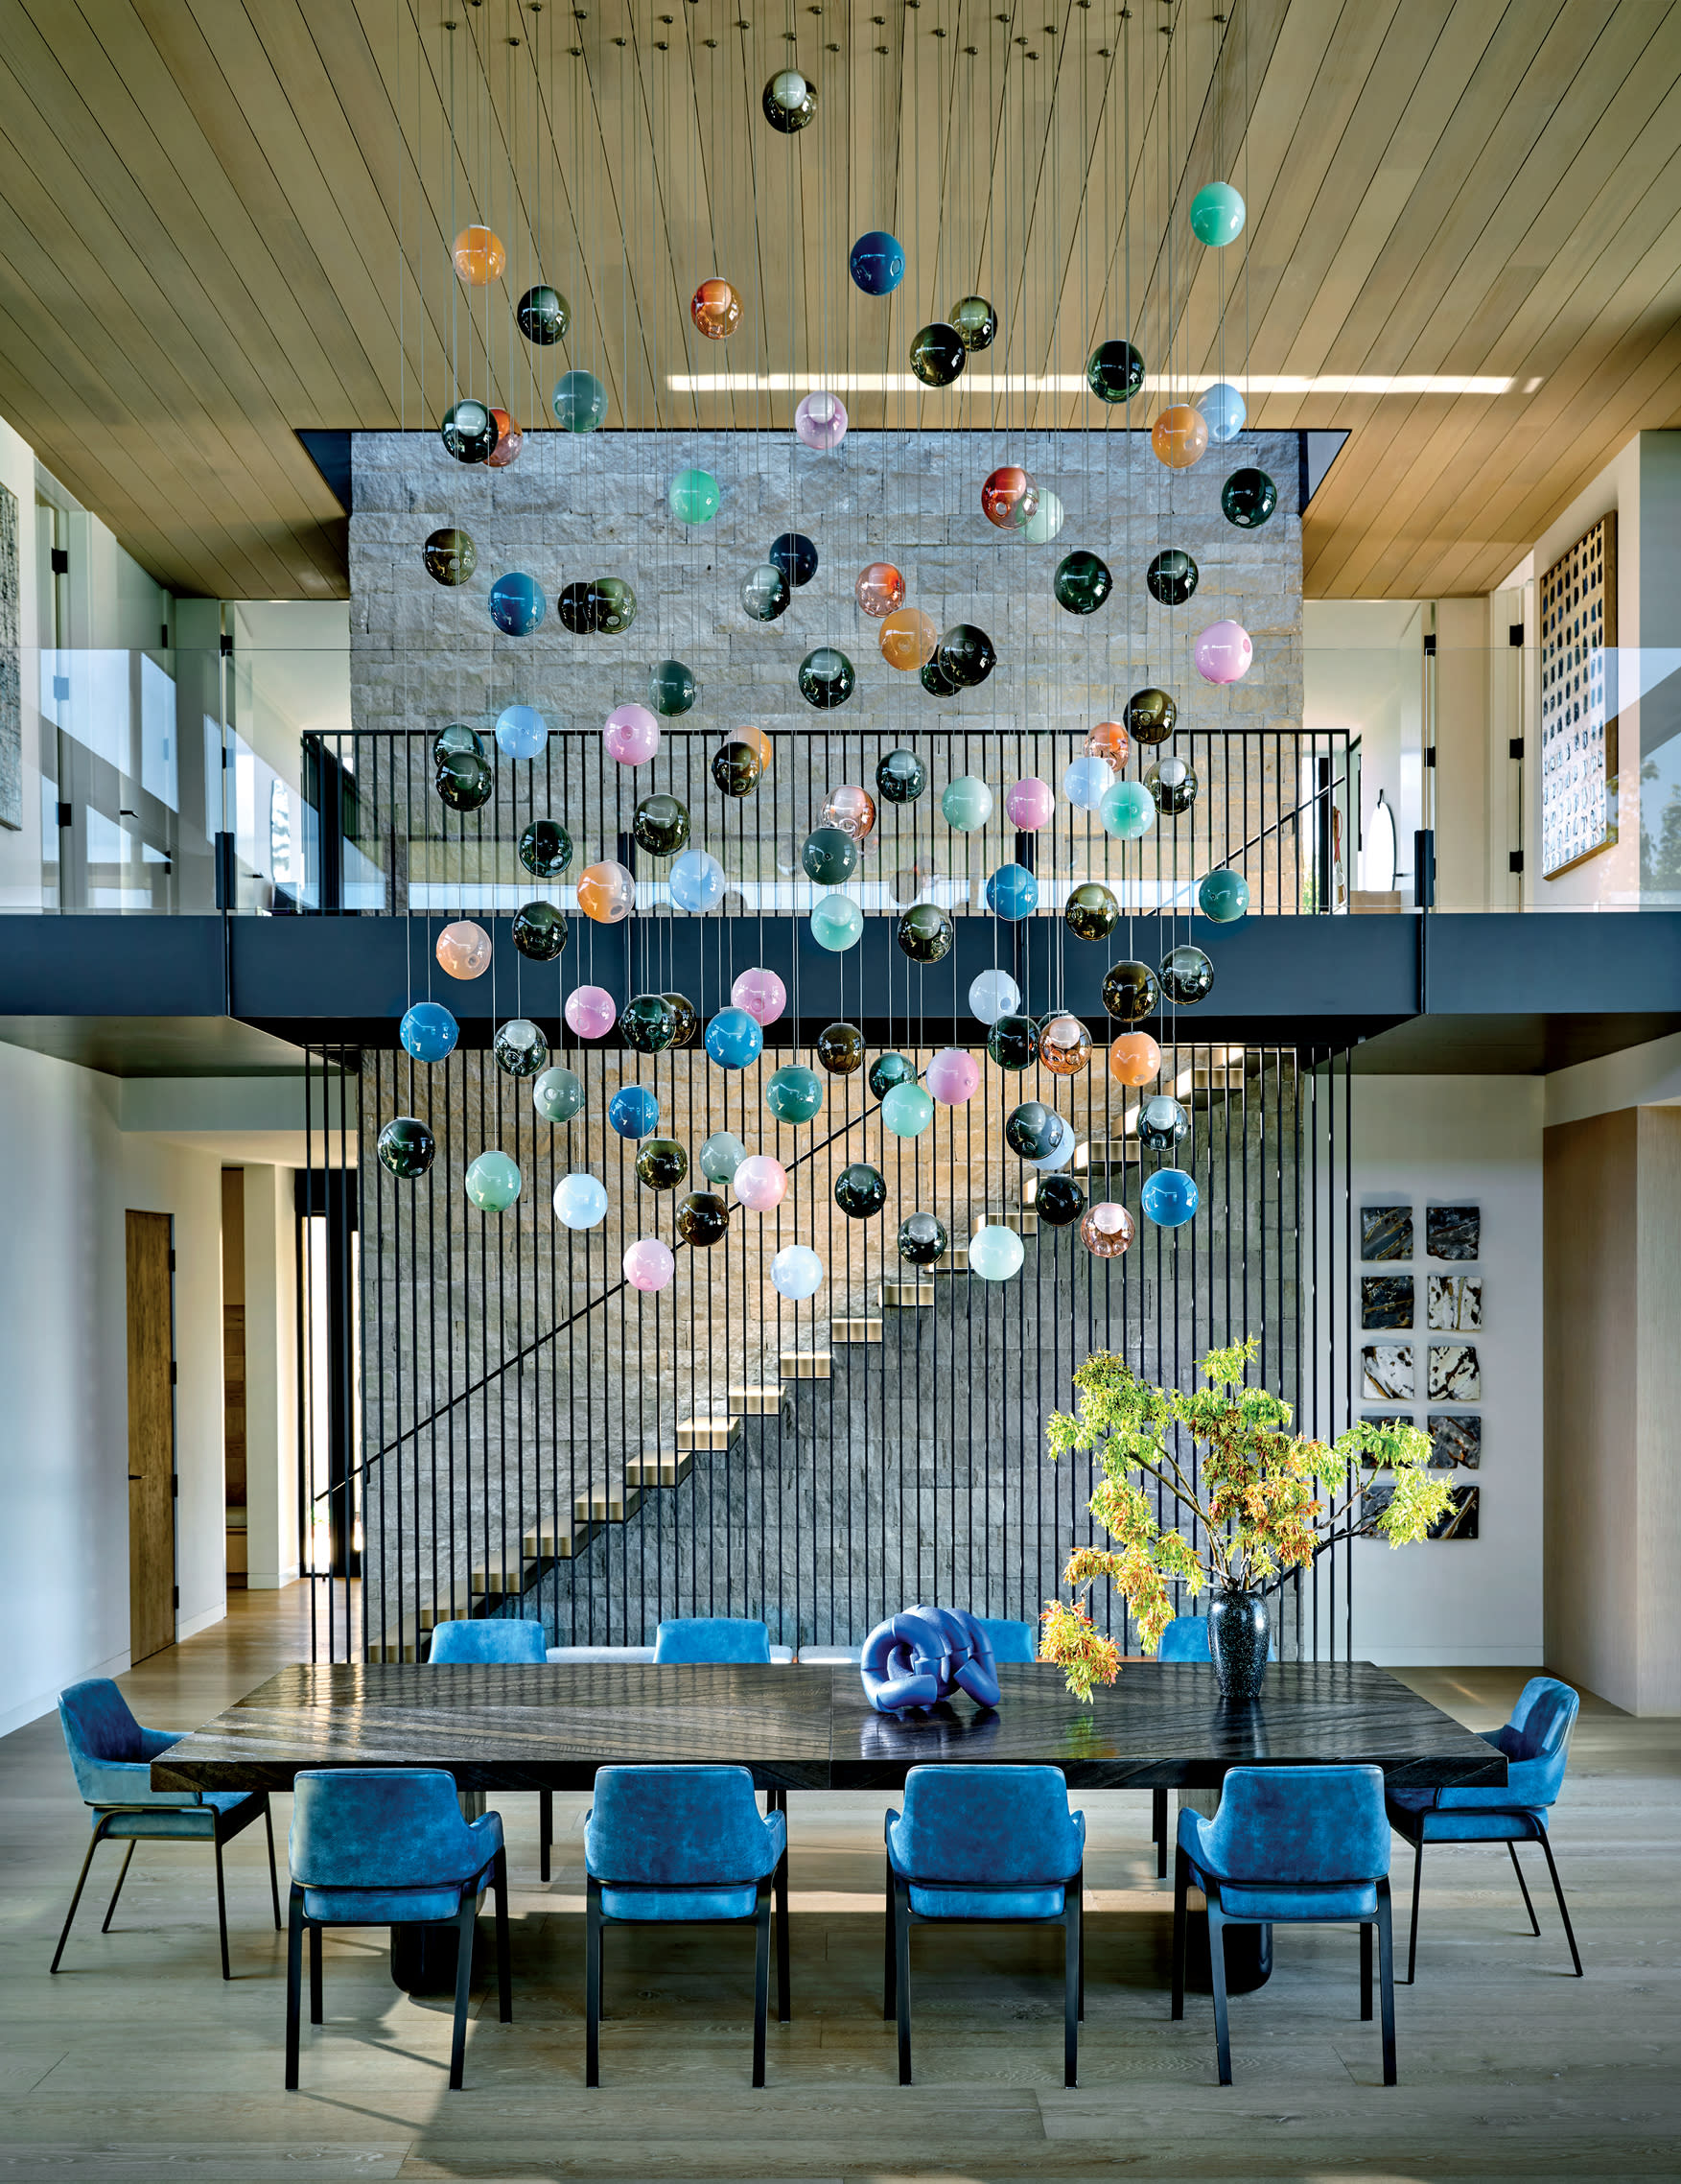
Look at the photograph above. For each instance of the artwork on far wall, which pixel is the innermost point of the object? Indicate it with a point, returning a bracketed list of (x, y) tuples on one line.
[(1578, 607), (1385, 1232), (1456, 1440), (1453, 1373), (1452, 1232), (10, 667), (1385, 1372), (1457, 1521), (1454, 1302), (1386, 1301)]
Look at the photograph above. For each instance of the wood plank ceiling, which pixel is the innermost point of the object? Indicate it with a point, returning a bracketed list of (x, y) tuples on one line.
[(230, 219)]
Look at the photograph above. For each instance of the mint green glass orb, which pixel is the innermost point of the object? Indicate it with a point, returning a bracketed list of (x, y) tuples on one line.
[(695, 496), (836, 923), (794, 1094), (907, 1110), (493, 1183), (1045, 521), (1128, 811), (967, 805), (1217, 215), (994, 1252), (1224, 896)]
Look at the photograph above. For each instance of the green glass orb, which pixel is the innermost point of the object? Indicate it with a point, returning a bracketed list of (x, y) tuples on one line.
[(736, 769), (1131, 993), (922, 1239), (826, 678), (967, 804), (1152, 717), (1114, 371), (684, 1015), (965, 655), (695, 496), (1247, 498), (649, 1024), (901, 777), (660, 1163), (544, 315), (829, 857), (558, 1095), (545, 849), (974, 323), (935, 680), (660, 825), (765, 593), (541, 931), (1187, 976), (456, 736), (469, 430), (1126, 811), (794, 1094), (1217, 215), (1013, 1043), (722, 1153), (1171, 577), (671, 688), (611, 605), (492, 1182), (579, 402), (464, 783), (1045, 521), (1223, 897), (703, 1218), (1091, 911), (450, 557), (836, 923), (840, 1049), (860, 1190), (890, 1070), (520, 1048), (1081, 582), (574, 608), (907, 1110), (937, 355), (1059, 1201), (405, 1147), (926, 933)]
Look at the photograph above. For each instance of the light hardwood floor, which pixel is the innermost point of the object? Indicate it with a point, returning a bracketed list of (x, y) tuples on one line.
[(137, 2062)]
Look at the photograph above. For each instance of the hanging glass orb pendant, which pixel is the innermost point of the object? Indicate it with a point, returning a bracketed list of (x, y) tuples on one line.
[(1247, 498), (1173, 783), (790, 101), (1171, 577), (1114, 371), (545, 849), (937, 355), (1091, 911), (1083, 581), (405, 1147), (716, 309), (901, 777), (469, 431), (450, 557), (926, 933), (975, 322), (1187, 975), (1180, 437), (1009, 497), (521, 1048), (540, 931), (1131, 992), (1151, 715), (544, 315), (826, 678)]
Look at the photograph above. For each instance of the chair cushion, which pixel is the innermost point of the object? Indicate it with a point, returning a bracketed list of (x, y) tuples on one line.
[(1186, 1640), (599, 1653), (987, 1903), (1293, 1827), (656, 1906), (489, 1637), (1414, 1816), (1289, 1905), (185, 1823), (382, 1907)]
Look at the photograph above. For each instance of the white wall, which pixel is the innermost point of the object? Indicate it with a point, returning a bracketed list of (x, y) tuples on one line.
[(271, 1549), (20, 847), (70, 1172), (1362, 671)]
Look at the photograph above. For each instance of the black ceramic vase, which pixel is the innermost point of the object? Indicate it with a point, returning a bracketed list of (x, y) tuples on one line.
[(1238, 1637)]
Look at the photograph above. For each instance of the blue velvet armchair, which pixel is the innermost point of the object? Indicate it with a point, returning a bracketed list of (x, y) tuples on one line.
[(981, 1844), (1288, 1846), (388, 1846), (502, 1638), (1010, 1640), (112, 1756), (1536, 1743), (683, 1845), (705, 1639)]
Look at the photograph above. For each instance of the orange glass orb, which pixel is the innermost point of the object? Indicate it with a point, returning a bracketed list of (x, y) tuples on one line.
[(509, 440), (1179, 435), (1109, 740), (908, 638), (463, 950), (1064, 1046), (480, 256), (758, 742), (716, 310), (850, 808), (1009, 497), (1134, 1059), (606, 892), (880, 589)]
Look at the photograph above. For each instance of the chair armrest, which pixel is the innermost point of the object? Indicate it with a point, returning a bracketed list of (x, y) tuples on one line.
[(485, 1834), (1193, 1837), (775, 1828), (106, 1782)]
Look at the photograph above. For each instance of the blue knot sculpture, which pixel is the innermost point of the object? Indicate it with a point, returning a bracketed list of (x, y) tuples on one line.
[(925, 1654)]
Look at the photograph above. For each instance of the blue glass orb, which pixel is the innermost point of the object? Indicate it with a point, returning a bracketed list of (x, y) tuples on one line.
[(722, 1153), (836, 923), (796, 1273), (580, 402), (697, 882), (1224, 410), (1224, 896), (996, 1253), (493, 1183), (1162, 1122), (794, 1094), (907, 1110), (1087, 782), (1169, 1197), (994, 993), (522, 732), (1217, 215), (795, 556), (558, 1095), (890, 1070), (580, 1201), (633, 1110), (1012, 892), (428, 1031), (877, 263), (405, 1147), (695, 496), (735, 1041), (517, 605), (1128, 811)]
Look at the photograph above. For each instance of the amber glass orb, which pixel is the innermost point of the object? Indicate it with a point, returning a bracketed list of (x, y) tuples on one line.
[(463, 950), (1064, 1046), (1179, 435), (1107, 1230), (1009, 497), (1151, 715), (1131, 993), (703, 1218), (660, 1163), (1091, 911), (687, 1015), (759, 744), (1134, 1059), (1109, 741), (606, 892), (716, 310), (908, 638), (509, 440), (880, 589), (840, 1049), (850, 808), (480, 256), (735, 768)]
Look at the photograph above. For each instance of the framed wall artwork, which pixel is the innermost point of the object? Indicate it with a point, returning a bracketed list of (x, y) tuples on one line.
[(1577, 608)]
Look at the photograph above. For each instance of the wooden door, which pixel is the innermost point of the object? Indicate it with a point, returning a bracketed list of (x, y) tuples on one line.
[(151, 1435)]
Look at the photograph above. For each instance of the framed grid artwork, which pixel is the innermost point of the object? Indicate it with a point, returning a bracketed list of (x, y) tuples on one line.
[(1577, 610)]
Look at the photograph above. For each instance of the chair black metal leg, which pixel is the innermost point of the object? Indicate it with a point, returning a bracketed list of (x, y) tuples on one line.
[(1079, 1890), (273, 1875), (1217, 1980), (1412, 1933), (294, 1951), (315, 1975), (504, 1971), (122, 1875), (1158, 1830), (761, 1980), (592, 1984), (781, 1879), (1181, 1881), (1563, 1908), (94, 1842), (1535, 1922), (1385, 1971), (221, 1902), (1365, 1973), (901, 1957), (1072, 1926), (889, 1949), (466, 1928), (544, 1830)]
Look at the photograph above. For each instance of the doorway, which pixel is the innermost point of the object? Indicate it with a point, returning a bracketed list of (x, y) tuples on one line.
[(151, 1433)]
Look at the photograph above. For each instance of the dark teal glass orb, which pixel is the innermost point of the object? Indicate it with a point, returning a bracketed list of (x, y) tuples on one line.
[(1081, 582), (611, 605), (974, 323), (826, 678), (1224, 896), (544, 315), (671, 687), (1247, 498), (736, 769), (573, 608), (545, 849), (464, 781), (540, 931), (795, 556), (1013, 1043), (922, 1239), (1059, 1201), (660, 825), (1171, 577), (1187, 976), (794, 1094), (765, 593), (965, 655), (935, 680), (450, 557), (456, 736), (687, 1018), (901, 777), (1131, 993), (860, 1190), (937, 355), (1152, 717), (469, 431), (1033, 1130), (840, 1049), (660, 1163), (405, 1147), (1162, 1122), (703, 1218), (926, 933), (888, 1071), (1091, 911), (829, 857), (579, 402), (649, 1024), (1114, 371)]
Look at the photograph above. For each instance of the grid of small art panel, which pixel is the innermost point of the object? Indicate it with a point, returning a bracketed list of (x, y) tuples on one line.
[(1420, 1308), (1577, 608)]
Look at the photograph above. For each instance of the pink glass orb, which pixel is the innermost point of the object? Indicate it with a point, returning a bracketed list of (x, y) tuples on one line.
[(761, 1182), (850, 808), (606, 892), (953, 1075), (648, 1264), (591, 1011), (1106, 1229), (1224, 652), (821, 419), (1029, 804), (1010, 497), (463, 950), (716, 309), (631, 735), (880, 589), (761, 993)]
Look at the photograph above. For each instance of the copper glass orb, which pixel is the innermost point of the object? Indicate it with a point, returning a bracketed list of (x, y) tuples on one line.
[(509, 440), (1091, 911), (926, 933), (1109, 742), (1173, 783), (540, 931), (606, 892), (703, 1218), (716, 309), (450, 557), (850, 808), (735, 769), (840, 1049), (1171, 577), (1064, 1046), (405, 1147), (1013, 1043), (1081, 582), (1131, 993), (545, 849), (922, 1239), (1187, 975), (660, 1163), (1009, 497), (974, 323), (860, 1190), (1059, 1201), (1151, 715), (901, 777), (660, 825), (544, 315), (1114, 371), (464, 780), (521, 1048), (907, 638), (937, 355), (1107, 1230), (880, 589)]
